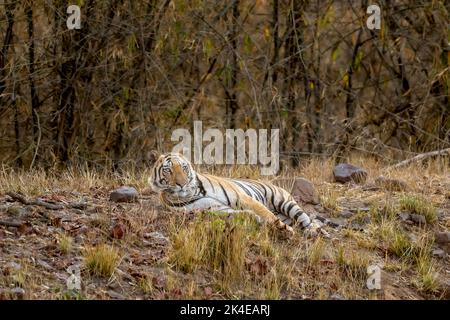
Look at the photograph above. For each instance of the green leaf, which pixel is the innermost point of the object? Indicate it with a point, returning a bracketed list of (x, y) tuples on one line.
[(248, 44), (335, 53), (131, 42), (208, 47), (358, 59)]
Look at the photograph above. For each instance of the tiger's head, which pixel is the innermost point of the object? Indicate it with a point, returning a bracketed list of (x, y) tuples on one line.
[(173, 173)]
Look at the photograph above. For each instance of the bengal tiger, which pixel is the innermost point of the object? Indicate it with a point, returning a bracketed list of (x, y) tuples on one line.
[(181, 187)]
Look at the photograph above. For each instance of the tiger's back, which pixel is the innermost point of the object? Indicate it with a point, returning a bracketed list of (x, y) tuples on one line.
[(276, 199)]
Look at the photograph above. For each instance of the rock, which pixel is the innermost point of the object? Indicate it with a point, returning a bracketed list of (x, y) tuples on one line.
[(345, 172), (44, 264), (157, 237), (338, 222), (17, 292), (11, 267), (303, 191), (319, 208), (418, 218), (336, 296), (404, 216), (346, 214), (124, 194), (390, 184), (442, 237), (116, 295), (360, 223), (438, 253), (17, 211)]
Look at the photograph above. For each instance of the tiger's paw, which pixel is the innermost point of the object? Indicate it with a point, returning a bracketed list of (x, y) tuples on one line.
[(314, 229), (283, 229)]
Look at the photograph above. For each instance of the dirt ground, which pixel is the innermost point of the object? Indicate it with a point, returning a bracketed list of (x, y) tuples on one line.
[(50, 222)]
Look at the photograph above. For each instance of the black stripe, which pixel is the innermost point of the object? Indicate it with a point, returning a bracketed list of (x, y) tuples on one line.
[(226, 195), (201, 187), (243, 188), (291, 205), (255, 189), (276, 208), (212, 186), (184, 203)]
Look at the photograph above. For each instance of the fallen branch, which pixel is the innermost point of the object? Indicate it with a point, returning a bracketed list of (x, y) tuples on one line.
[(39, 202), (420, 157), (15, 224)]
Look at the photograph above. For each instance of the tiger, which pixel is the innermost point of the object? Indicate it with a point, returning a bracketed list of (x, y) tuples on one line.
[(180, 187)]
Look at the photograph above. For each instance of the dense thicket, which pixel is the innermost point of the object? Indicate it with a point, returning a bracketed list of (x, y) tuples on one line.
[(115, 89)]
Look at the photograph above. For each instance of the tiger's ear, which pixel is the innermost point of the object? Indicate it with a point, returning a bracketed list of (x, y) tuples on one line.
[(153, 156)]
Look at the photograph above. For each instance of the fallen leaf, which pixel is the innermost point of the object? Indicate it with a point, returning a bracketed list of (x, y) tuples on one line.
[(117, 231), (25, 228), (159, 281), (208, 291)]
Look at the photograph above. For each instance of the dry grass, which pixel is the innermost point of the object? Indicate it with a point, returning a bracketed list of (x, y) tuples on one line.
[(419, 205), (211, 256), (213, 242), (65, 243), (101, 260), (330, 201)]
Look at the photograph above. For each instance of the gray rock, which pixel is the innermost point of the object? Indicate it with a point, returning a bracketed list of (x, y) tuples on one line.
[(157, 236), (442, 237), (346, 214), (116, 295), (303, 191), (13, 266), (345, 172), (16, 211), (44, 264), (124, 194), (319, 208), (404, 216), (438, 253), (418, 218), (339, 222), (390, 184), (18, 292), (336, 296)]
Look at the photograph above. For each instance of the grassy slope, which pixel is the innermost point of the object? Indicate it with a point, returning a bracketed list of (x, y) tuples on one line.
[(212, 257)]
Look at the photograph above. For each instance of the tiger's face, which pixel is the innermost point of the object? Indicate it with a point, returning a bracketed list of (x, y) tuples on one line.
[(173, 173)]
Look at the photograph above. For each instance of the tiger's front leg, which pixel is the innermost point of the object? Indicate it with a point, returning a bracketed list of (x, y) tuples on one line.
[(265, 214)]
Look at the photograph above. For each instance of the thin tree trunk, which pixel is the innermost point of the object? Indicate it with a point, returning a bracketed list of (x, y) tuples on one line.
[(9, 8), (33, 93), (231, 101)]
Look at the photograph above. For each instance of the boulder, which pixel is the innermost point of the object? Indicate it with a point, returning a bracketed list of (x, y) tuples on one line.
[(124, 194), (303, 191), (438, 253), (418, 218), (442, 237), (345, 172)]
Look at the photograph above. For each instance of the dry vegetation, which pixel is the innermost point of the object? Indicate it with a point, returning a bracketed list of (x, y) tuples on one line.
[(142, 251)]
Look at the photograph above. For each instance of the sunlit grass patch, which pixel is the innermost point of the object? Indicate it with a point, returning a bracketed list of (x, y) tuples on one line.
[(65, 243), (419, 205), (330, 201), (101, 260)]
